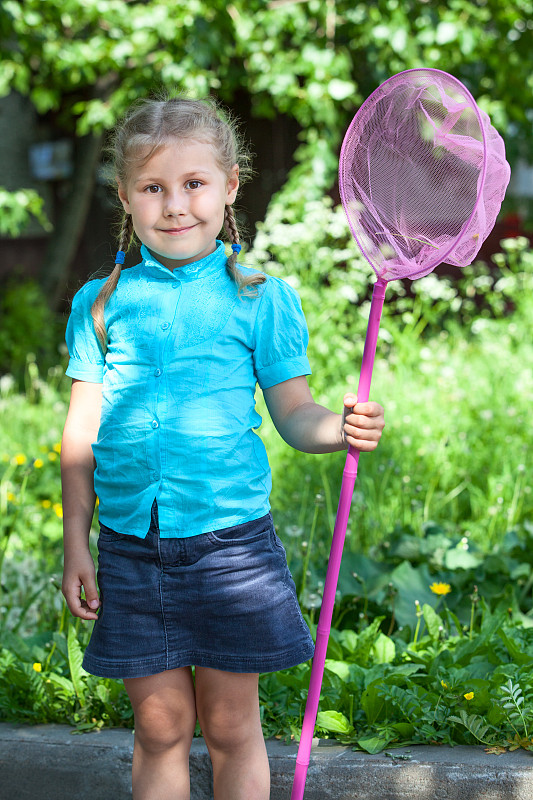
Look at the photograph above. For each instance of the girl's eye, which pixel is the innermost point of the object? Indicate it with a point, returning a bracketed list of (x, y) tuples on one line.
[(194, 184), (153, 188)]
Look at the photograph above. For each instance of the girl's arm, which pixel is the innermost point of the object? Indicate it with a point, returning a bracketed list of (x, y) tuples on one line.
[(309, 427), (77, 478)]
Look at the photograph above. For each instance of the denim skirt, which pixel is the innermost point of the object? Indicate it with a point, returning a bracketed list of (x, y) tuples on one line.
[(223, 599)]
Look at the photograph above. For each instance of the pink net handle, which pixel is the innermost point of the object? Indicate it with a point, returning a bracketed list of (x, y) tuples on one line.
[(349, 476)]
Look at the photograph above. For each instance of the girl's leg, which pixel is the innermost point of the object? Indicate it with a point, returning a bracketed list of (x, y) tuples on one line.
[(165, 717), (228, 711)]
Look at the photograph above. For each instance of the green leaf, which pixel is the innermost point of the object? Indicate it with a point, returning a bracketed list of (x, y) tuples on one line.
[(372, 576), (372, 703), (446, 32), (340, 668), (348, 672), (75, 658), (103, 693), (17, 209), (16, 645), (518, 656), (474, 723), (398, 40), (453, 617), (334, 722), (384, 650), (411, 584), (374, 744), (432, 620), (62, 683), (461, 559), (404, 729), (348, 640), (340, 90), (334, 650)]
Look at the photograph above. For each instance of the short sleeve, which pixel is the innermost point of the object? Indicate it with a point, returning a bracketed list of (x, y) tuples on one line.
[(86, 361), (281, 336)]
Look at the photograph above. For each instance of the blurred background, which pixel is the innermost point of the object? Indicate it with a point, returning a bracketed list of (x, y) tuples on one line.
[(294, 72)]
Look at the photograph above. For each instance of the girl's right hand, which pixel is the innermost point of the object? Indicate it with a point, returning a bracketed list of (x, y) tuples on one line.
[(78, 573)]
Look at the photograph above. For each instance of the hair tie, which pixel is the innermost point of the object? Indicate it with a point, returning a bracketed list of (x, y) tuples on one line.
[(236, 248), (120, 256)]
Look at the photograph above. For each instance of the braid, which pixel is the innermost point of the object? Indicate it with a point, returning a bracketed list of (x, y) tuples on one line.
[(230, 226), (126, 233), (245, 284), (97, 309)]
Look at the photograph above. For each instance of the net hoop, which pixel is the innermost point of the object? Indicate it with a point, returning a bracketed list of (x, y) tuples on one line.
[(353, 132)]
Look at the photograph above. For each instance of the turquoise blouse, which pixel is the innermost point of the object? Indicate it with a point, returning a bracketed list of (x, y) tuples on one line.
[(178, 422)]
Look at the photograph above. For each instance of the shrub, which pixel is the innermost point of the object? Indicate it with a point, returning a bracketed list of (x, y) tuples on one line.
[(28, 326)]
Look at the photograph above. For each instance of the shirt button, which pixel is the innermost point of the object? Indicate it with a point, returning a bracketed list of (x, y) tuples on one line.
[(175, 285), (155, 423), (157, 372), (165, 326)]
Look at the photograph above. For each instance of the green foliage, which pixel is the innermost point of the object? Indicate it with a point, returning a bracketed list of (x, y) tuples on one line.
[(17, 209), (473, 724), (30, 498), (513, 704), (28, 326), (452, 690), (448, 690), (444, 345), (518, 711), (313, 61), (42, 681), (300, 59)]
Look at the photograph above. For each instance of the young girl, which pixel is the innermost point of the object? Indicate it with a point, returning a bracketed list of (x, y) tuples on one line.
[(165, 357)]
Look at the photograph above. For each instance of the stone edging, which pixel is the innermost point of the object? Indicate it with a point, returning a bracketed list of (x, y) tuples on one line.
[(48, 762)]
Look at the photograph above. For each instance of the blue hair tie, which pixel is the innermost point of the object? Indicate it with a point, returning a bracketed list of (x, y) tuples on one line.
[(236, 248), (120, 256)]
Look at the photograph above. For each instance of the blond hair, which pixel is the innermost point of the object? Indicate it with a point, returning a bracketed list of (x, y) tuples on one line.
[(149, 126)]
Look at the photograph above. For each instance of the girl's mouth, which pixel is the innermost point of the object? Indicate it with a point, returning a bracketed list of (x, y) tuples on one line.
[(176, 231)]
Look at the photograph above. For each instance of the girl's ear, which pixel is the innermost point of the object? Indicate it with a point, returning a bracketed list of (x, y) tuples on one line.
[(123, 195), (232, 185)]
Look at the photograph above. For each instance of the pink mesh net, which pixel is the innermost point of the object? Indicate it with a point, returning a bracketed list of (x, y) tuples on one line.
[(422, 175)]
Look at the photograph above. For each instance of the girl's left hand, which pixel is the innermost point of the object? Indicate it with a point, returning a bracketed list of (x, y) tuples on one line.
[(362, 423)]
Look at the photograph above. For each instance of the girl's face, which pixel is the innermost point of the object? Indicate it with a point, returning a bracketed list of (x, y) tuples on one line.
[(177, 200)]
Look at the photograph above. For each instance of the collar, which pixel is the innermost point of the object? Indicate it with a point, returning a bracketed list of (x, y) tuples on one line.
[(205, 267)]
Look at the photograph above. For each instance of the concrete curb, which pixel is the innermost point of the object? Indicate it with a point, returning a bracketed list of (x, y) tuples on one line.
[(47, 762)]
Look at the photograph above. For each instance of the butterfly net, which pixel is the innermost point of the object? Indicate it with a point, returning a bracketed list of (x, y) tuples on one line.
[(422, 175)]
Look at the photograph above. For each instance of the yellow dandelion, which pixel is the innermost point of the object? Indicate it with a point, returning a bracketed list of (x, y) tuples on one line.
[(38, 463), (440, 588), (57, 447), (444, 685), (58, 508), (38, 667), (46, 503), (11, 497), (468, 696), (19, 459), (52, 456)]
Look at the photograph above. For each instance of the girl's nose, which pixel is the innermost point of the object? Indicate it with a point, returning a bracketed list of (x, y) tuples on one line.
[(175, 204)]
